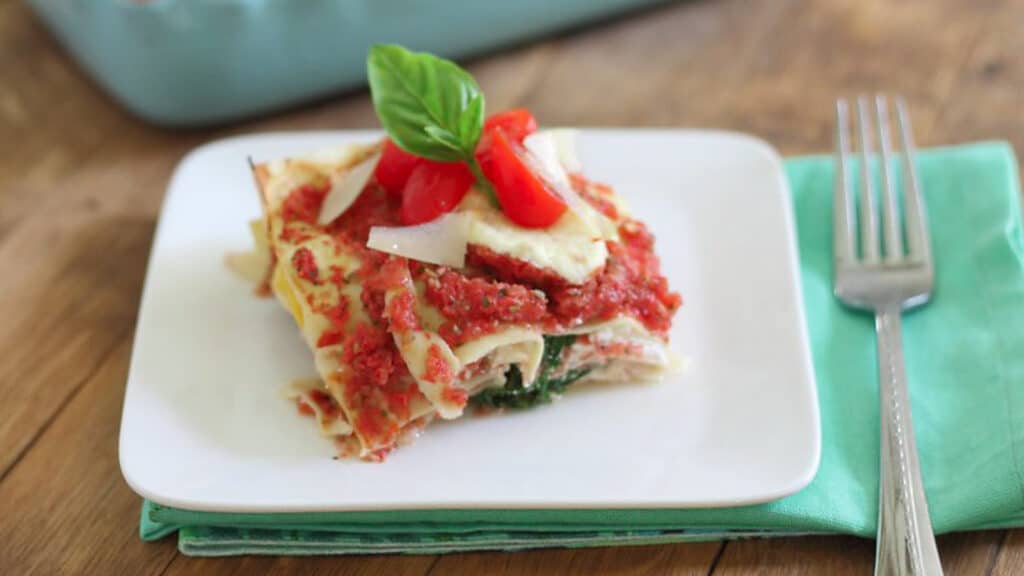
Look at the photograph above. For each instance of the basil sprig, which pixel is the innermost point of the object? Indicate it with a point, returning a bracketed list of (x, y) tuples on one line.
[(429, 106)]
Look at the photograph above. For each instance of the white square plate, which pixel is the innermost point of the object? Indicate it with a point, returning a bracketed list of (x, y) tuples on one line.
[(205, 426)]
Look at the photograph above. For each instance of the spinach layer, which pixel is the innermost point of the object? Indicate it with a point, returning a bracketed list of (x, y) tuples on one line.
[(545, 387)]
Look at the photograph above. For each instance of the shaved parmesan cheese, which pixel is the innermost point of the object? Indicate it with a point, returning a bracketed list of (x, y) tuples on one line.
[(555, 150), (544, 159), (543, 148), (565, 145), (544, 151), (442, 241), (345, 188)]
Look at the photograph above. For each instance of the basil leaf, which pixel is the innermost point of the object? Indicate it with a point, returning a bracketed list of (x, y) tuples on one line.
[(444, 137), (429, 106)]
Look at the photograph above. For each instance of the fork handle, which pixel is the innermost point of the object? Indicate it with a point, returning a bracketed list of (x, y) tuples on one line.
[(906, 543)]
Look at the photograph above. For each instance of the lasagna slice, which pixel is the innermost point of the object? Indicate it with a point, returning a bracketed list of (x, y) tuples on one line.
[(411, 323)]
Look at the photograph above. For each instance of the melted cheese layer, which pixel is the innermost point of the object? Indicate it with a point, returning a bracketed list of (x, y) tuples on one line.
[(574, 247)]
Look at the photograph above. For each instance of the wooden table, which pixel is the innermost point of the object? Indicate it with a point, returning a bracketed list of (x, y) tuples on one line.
[(81, 183)]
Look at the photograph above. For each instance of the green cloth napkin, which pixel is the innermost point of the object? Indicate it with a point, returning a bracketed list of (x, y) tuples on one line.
[(965, 360)]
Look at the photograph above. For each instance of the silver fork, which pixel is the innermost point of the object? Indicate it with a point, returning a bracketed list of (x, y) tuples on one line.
[(886, 278)]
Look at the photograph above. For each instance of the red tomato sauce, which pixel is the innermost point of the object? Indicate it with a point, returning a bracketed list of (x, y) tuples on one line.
[(329, 338), (455, 395), (511, 269), (373, 207), (338, 316), (630, 283), (437, 370), (305, 265), (401, 312), (327, 405), (303, 203), (336, 312), (476, 306), (377, 384)]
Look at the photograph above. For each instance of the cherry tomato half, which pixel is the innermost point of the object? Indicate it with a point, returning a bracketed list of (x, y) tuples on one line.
[(518, 123), (394, 167), (433, 189), (524, 196)]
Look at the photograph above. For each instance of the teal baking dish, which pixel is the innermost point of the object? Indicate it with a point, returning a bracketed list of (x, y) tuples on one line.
[(195, 62)]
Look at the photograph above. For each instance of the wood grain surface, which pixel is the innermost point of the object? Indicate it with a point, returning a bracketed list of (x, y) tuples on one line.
[(81, 183)]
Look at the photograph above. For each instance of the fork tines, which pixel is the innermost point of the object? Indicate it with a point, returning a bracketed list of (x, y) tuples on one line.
[(852, 207)]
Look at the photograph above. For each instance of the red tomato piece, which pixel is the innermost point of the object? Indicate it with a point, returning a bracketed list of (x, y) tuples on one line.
[(433, 189), (524, 196), (394, 167), (518, 123)]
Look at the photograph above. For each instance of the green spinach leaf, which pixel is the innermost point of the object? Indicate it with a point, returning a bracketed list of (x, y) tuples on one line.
[(544, 389)]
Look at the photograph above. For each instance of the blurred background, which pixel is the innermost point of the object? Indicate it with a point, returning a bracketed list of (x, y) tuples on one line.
[(770, 68)]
